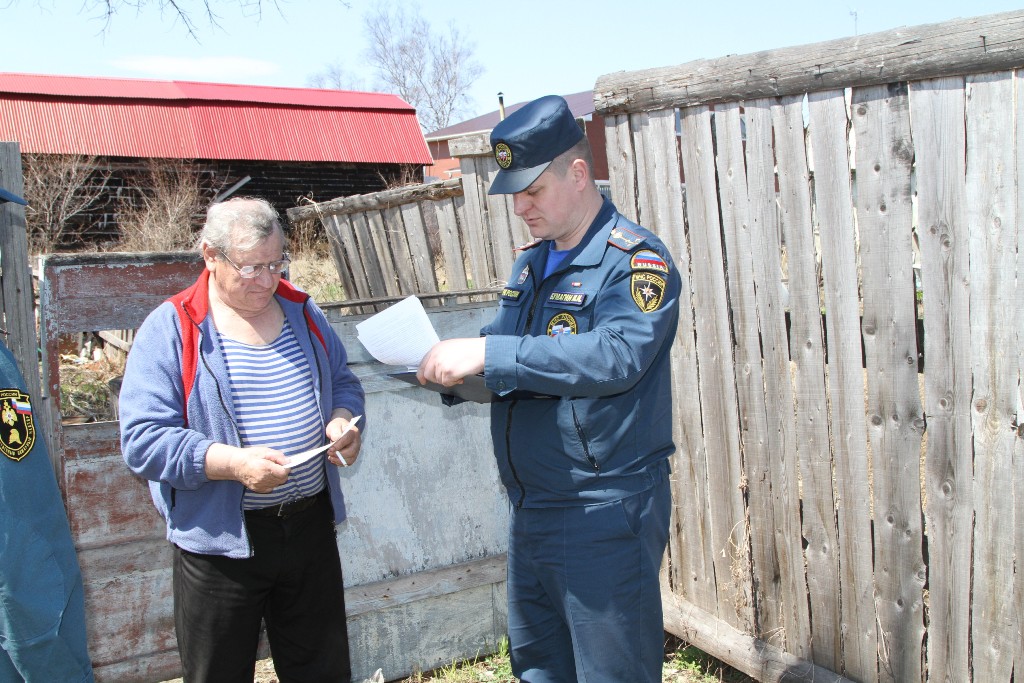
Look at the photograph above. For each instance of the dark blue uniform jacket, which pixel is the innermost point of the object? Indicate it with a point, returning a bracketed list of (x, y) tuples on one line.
[(596, 336)]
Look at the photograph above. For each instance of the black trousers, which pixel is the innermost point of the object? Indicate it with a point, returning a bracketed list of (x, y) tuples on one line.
[(292, 582)]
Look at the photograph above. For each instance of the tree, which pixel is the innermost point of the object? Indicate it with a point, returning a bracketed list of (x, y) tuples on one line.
[(60, 188), (334, 76), (164, 206), (431, 71), (178, 9)]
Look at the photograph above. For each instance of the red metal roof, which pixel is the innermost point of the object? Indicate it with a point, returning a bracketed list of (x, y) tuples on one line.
[(189, 120)]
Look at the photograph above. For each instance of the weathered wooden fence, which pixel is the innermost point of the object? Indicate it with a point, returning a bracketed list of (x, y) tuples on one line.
[(846, 488), (447, 240), (831, 503)]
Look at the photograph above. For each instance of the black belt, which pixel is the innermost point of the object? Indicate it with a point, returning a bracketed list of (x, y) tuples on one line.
[(288, 509)]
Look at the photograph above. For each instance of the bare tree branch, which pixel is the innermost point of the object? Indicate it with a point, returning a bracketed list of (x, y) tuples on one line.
[(335, 76), (60, 188), (182, 10), (431, 71)]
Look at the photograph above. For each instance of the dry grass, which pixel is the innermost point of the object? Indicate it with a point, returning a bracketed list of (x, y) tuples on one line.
[(683, 664)]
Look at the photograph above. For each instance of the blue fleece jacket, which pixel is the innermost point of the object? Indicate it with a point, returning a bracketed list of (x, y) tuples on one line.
[(175, 402)]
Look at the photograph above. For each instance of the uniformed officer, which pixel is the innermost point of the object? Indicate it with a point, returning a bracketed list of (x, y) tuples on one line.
[(42, 610), (588, 317)]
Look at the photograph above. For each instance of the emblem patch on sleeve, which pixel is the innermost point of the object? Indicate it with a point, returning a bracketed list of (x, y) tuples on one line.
[(648, 290), (562, 323), (17, 429)]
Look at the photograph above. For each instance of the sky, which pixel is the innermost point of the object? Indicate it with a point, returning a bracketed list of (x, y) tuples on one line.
[(527, 48)]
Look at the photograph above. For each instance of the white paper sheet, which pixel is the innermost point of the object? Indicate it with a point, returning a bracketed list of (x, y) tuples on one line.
[(399, 335), (302, 457), (299, 458)]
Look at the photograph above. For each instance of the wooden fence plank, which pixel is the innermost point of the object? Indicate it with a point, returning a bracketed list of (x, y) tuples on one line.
[(338, 256), (646, 193), (1018, 446), (19, 317), (419, 248), (499, 225), (770, 378), (691, 566), (808, 356), (394, 230), (881, 121), (473, 223), (729, 543), (940, 151), (828, 133), (384, 263), (749, 380), (369, 251), (344, 232), (621, 165), (448, 214), (991, 219)]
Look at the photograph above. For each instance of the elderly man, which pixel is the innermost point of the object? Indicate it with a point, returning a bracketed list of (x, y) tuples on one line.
[(224, 382), (588, 317)]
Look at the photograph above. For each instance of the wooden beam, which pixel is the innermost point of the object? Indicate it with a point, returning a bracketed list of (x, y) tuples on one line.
[(763, 661), (961, 46), (378, 200), (371, 597), (474, 145)]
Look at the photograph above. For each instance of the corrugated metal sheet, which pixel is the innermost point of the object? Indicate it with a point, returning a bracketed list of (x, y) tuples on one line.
[(181, 120)]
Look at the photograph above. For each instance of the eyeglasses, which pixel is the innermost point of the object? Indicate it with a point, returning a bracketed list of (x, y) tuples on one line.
[(254, 271)]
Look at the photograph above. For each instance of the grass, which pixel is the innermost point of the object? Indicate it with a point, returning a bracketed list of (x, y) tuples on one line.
[(683, 664)]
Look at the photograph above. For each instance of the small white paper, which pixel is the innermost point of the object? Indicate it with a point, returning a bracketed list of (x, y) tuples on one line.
[(299, 458), (399, 335)]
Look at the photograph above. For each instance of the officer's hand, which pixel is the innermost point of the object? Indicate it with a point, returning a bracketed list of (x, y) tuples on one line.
[(451, 360)]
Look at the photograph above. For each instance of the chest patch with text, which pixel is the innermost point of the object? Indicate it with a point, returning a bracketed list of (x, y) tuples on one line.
[(568, 298)]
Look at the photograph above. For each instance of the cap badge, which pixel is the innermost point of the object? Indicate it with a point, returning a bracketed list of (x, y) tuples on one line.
[(503, 155)]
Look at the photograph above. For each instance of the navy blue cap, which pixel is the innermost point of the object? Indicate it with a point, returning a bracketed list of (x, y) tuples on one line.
[(6, 196), (528, 140)]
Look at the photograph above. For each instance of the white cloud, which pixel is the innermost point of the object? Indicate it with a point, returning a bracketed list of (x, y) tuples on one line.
[(221, 69)]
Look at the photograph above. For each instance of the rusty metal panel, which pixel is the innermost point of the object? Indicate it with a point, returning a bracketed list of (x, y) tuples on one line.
[(423, 546)]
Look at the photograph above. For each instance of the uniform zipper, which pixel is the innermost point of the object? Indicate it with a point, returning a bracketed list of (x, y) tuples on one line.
[(512, 405)]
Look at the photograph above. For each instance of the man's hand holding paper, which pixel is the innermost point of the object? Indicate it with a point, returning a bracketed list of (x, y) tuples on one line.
[(449, 361)]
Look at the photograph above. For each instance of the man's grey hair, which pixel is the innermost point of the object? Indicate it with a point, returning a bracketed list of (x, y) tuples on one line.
[(239, 223)]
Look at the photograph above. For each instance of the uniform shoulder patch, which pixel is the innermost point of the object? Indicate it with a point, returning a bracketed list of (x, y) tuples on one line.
[(17, 428), (647, 259), (647, 289), (624, 238)]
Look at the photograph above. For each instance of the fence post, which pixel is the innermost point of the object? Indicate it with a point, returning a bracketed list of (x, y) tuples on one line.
[(18, 301)]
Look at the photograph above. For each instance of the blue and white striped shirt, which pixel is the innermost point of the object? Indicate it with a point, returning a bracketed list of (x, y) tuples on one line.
[(272, 392)]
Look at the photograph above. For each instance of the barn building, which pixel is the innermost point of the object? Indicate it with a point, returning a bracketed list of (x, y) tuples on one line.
[(283, 144)]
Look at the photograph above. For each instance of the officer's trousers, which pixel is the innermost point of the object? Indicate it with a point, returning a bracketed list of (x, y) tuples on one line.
[(584, 599)]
